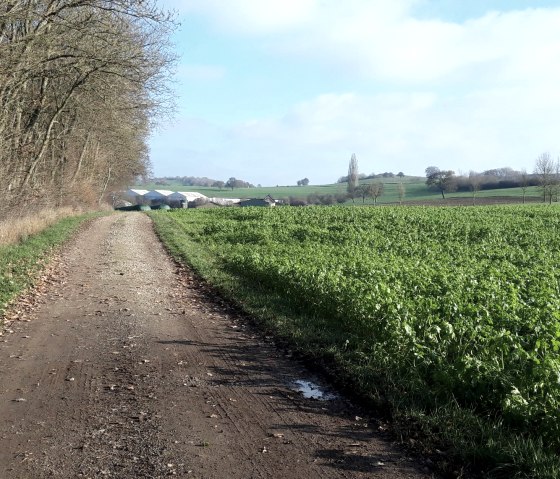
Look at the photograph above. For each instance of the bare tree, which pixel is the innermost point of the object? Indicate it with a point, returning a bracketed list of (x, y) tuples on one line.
[(353, 176), (523, 182), (555, 187), (361, 191), (545, 169), (375, 190), (475, 182), (82, 83)]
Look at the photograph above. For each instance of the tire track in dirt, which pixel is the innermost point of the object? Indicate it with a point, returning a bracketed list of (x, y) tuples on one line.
[(130, 369)]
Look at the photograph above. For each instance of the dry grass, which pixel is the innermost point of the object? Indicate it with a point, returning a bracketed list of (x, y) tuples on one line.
[(14, 230)]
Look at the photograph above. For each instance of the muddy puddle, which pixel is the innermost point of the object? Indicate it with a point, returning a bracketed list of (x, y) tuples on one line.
[(311, 390)]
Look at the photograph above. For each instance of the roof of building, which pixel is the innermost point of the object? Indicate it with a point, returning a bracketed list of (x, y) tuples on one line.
[(186, 195), (135, 192), (158, 194)]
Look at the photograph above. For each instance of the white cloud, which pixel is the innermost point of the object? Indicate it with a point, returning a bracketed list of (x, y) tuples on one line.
[(383, 40), (389, 132), (509, 47)]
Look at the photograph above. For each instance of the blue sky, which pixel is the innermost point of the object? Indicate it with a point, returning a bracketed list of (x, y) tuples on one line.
[(273, 91)]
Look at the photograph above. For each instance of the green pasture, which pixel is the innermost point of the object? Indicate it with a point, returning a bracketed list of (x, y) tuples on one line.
[(415, 190)]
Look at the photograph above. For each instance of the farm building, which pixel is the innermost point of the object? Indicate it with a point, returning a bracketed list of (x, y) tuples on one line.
[(175, 199), (185, 196), (156, 197), (135, 196), (180, 199)]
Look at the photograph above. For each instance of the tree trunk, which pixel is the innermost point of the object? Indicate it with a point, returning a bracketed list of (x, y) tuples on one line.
[(80, 160), (105, 185)]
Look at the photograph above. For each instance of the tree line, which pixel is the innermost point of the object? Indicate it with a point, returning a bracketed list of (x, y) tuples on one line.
[(82, 83), (546, 175), (202, 181)]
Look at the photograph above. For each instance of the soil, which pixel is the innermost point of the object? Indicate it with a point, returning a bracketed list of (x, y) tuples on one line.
[(120, 364)]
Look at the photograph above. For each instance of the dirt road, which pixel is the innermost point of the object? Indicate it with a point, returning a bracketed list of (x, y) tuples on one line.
[(128, 369)]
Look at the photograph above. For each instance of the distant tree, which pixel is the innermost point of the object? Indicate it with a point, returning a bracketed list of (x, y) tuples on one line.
[(375, 190), (545, 169), (475, 181), (443, 181), (352, 176), (194, 181), (401, 191), (231, 183), (431, 170), (400, 174), (523, 182), (555, 186), (505, 172), (363, 191), (235, 183), (303, 182), (218, 184)]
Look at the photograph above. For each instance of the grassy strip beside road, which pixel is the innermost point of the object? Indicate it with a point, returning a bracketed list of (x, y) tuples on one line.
[(21, 263), (447, 315)]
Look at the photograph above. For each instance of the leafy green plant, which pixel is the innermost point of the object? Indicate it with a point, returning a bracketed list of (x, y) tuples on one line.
[(428, 308)]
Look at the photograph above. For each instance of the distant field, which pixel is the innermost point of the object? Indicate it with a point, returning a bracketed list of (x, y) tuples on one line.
[(416, 190)]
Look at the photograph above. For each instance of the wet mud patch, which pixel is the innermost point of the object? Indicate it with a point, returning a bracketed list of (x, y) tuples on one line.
[(311, 390)]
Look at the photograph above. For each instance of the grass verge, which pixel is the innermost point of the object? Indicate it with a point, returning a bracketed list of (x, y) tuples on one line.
[(18, 228), (22, 263), (462, 441)]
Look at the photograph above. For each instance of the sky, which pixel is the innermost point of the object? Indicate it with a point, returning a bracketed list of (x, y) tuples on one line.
[(274, 91)]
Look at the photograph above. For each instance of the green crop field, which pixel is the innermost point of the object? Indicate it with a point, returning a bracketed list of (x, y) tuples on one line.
[(449, 315)]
